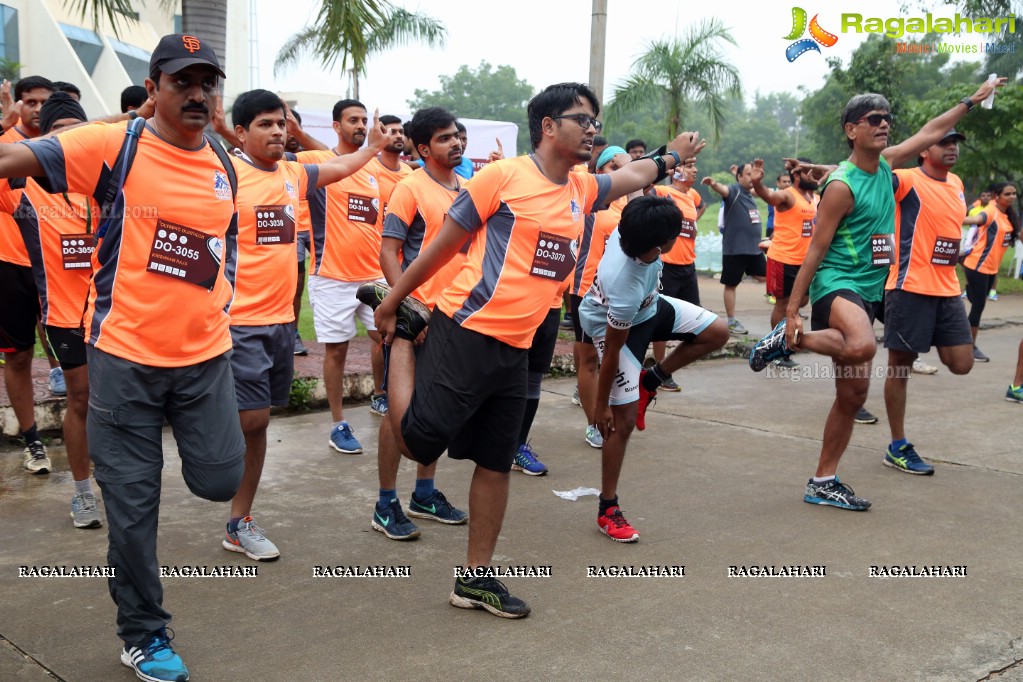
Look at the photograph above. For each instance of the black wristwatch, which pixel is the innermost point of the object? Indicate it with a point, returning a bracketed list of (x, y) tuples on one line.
[(969, 104)]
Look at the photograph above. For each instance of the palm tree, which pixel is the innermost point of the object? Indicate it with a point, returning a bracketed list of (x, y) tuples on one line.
[(353, 30), (679, 72)]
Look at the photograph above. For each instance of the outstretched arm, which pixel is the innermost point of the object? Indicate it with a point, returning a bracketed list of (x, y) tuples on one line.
[(716, 186), (642, 172), (935, 129), (782, 200), (342, 166)]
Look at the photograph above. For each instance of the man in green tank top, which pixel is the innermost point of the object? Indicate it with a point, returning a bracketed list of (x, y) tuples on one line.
[(845, 271)]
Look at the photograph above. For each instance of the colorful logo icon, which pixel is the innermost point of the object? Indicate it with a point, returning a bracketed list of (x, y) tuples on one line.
[(819, 35)]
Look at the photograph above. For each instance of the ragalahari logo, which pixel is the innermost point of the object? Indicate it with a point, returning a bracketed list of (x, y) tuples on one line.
[(819, 35)]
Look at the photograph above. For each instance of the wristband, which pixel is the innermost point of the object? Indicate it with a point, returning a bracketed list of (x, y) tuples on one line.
[(132, 115), (678, 159), (968, 102), (661, 168)]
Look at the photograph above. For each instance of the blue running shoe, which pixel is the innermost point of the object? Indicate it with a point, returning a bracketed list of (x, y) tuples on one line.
[(436, 508), (907, 460), (768, 349), (154, 660), (1014, 394), (378, 404), (527, 463), (58, 386), (342, 439), (392, 522), (835, 494)]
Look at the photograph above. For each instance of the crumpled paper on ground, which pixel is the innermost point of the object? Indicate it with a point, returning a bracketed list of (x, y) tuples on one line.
[(574, 495)]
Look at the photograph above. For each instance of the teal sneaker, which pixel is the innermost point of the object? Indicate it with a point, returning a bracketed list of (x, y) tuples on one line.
[(436, 508), (392, 522), (154, 660), (907, 460), (1014, 394)]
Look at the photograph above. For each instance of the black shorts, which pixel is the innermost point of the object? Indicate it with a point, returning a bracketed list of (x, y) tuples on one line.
[(263, 364), (577, 325), (915, 322), (679, 281), (734, 267), (820, 312), (469, 397), (19, 307), (541, 353), (68, 345), (780, 278)]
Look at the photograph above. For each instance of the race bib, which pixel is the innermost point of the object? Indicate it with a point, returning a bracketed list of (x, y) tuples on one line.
[(1007, 238), (275, 224), (807, 228), (688, 229), (76, 250), (553, 258), (946, 251), (882, 249), (185, 254), (362, 209), (754, 216)]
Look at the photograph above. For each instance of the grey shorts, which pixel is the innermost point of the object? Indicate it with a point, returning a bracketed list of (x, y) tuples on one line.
[(263, 363), (128, 403), (302, 246)]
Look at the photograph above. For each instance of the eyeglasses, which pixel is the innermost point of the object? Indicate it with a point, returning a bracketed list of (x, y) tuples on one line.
[(875, 119), (584, 121)]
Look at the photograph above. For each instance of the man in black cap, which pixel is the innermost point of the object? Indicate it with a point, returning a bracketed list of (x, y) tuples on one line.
[(155, 322), (922, 303)]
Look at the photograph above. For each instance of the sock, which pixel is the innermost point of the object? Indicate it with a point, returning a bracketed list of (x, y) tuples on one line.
[(731, 320), (337, 424), (424, 488), (527, 419), (83, 486), (896, 444), (31, 434), (654, 377), (992, 292), (823, 479), (386, 495), (607, 504), (233, 523)]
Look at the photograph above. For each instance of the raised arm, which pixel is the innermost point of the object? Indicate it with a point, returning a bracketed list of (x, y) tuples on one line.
[(716, 186), (935, 129), (642, 172), (782, 200), (305, 140)]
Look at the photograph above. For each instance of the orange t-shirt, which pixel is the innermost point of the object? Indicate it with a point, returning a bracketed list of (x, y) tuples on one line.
[(387, 178), (684, 250), (415, 214), (263, 271), (525, 233), (12, 246), (793, 229), (159, 294), (993, 239), (598, 227), (929, 214), (347, 219), (302, 220), (59, 232)]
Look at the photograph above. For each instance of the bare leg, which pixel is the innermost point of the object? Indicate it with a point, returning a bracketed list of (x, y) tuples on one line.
[(730, 302), (376, 360), (488, 499), (900, 364), (75, 440), (586, 376), (613, 453), (254, 425), (709, 340), (18, 380), (334, 359), (1018, 379)]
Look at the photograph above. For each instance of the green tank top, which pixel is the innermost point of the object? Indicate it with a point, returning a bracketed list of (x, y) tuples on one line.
[(863, 247)]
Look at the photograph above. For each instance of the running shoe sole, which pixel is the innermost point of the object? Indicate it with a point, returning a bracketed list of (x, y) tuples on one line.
[(634, 538), (832, 503), (411, 536), (888, 463), (344, 452), (466, 603), (241, 550), (516, 467), (126, 660), (95, 523), (426, 515)]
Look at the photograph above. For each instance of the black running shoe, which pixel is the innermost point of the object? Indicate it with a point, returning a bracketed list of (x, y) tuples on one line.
[(413, 315), (865, 417), (489, 594)]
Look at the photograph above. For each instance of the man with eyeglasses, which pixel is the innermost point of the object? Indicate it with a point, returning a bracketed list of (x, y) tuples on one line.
[(471, 379), (846, 266)]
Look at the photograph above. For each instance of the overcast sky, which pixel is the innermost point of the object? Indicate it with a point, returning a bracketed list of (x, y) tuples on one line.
[(548, 41)]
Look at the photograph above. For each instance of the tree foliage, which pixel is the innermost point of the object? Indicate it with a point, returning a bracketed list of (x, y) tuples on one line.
[(484, 93), (678, 73)]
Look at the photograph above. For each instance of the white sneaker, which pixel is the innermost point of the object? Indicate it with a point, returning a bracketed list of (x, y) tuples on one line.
[(921, 367), (36, 460)]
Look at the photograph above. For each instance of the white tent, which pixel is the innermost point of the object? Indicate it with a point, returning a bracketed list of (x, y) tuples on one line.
[(482, 134)]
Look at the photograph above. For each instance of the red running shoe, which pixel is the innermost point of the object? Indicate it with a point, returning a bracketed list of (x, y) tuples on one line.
[(645, 399), (613, 524)]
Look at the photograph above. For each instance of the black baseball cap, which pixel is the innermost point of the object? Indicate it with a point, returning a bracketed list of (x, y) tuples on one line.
[(959, 137), (180, 50)]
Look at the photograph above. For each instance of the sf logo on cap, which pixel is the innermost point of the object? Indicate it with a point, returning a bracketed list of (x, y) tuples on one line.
[(191, 43)]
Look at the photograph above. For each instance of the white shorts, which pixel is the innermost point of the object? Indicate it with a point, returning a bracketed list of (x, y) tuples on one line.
[(335, 309)]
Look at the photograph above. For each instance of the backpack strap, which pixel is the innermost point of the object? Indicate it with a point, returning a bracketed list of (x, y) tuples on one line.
[(119, 173), (232, 176)]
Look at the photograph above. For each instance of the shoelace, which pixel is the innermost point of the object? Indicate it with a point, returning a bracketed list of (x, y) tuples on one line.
[(252, 529), (526, 452), (618, 519), (161, 640), (88, 503), (493, 585), (37, 451)]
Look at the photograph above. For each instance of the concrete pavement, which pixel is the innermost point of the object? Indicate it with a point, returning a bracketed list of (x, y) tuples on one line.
[(715, 481)]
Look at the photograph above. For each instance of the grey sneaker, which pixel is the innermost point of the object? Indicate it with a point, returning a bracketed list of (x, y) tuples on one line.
[(250, 540), (84, 511), (735, 328), (36, 460), (593, 437)]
